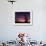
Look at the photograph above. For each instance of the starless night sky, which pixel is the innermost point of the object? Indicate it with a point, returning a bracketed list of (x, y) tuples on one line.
[(22, 14), (23, 17)]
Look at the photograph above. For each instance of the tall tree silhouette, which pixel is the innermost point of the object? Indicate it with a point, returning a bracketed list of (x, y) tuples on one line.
[(25, 18)]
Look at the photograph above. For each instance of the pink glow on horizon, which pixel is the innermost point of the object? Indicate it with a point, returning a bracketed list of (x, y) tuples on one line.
[(22, 20)]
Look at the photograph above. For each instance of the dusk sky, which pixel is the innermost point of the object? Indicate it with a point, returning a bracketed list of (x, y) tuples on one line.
[(22, 14)]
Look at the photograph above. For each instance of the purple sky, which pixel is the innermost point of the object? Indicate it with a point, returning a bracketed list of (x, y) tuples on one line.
[(22, 14)]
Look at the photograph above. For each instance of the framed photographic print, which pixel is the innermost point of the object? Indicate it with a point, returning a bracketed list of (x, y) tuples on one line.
[(23, 17)]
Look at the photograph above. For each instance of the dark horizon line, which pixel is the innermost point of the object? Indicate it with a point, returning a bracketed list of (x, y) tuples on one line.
[(22, 22)]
